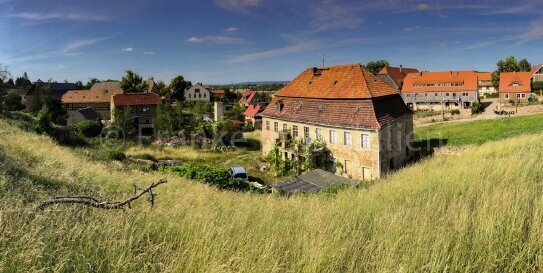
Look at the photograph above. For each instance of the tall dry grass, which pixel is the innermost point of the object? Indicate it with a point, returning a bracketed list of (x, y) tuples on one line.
[(479, 211)]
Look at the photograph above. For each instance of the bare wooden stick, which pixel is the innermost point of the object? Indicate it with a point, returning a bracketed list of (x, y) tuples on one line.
[(89, 201)]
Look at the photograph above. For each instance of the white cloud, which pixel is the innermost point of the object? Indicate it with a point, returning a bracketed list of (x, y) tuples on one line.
[(423, 6), (216, 40), (241, 6), (127, 49), (300, 47), (149, 53), (36, 16), (195, 40), (60, 66), (231, 29)]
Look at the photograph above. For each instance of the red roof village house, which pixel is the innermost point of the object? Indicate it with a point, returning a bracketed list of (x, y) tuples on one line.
[(252, 115), (537, 73), (141, 106), (250, 98), (515, 87), (394, 76), (363, 121)]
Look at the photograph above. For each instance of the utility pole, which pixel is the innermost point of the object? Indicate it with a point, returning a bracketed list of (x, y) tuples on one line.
[(322, 60)]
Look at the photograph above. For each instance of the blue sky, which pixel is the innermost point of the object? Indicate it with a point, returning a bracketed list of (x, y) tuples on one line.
[(226, 41)]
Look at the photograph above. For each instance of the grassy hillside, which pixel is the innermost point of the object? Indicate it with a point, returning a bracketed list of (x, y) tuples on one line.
[(479, 132), (478, 211)]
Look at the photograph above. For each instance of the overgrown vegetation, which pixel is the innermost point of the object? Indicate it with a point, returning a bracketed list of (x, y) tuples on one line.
[(479, 212), (209, 175)]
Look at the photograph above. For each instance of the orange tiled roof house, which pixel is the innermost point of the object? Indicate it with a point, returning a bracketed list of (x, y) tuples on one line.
[(515, 87), (437, 90), (363, 121), (394, 76)]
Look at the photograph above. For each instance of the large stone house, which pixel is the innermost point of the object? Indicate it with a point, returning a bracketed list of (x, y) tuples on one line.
[(394, 76), (438, 90), (515, 87), (363, 121)]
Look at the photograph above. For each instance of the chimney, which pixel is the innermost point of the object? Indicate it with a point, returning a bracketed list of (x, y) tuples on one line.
[(218, 110), (401, 68)]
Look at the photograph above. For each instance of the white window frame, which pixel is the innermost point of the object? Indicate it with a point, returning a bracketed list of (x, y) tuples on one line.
[(365, 141), (276, 126), (285, 127), (506, 96), (267, 125), (294, 131), (318, 134), (347, 139), (332, 137)]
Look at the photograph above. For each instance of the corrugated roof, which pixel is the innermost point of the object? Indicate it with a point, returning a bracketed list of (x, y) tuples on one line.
[(312, 182)]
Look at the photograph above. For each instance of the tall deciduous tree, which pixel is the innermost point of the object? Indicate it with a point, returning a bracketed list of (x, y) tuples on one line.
[(23, 82), (509, 64), (162, 88), (375, 66), (133, 83), (178, 86), (91, 82)]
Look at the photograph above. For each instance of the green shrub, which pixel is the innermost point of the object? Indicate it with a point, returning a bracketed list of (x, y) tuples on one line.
[(209, 175), (455, 112), (89, 128), (476, 108), (248, 128), (115, 155)]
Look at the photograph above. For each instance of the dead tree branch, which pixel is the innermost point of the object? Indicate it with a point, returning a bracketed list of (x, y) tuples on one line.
[(89, 201)]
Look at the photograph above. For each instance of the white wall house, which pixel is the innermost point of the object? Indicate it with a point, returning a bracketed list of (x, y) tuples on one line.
[(197, 93)]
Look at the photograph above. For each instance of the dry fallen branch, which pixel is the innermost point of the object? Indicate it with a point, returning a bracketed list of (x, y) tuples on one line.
[(89, 201)]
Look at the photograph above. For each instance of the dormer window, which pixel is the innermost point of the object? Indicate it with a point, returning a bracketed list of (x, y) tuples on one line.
[(279, 106), (515, 84)]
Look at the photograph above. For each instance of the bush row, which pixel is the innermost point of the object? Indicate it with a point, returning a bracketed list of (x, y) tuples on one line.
[(209, 175)]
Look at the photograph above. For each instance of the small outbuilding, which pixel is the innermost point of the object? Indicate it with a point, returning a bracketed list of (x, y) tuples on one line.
[(312, 182)]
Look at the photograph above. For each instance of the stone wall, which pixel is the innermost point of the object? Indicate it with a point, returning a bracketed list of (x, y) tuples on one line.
[(358, 162)]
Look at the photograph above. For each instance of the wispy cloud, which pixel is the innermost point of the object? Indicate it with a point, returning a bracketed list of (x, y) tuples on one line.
[(68, 49), (329, 14), (127, 49), (299, 47), (216, 40), (532, 32), (241, 6), (231, 29), (36, 16), (149, 53)]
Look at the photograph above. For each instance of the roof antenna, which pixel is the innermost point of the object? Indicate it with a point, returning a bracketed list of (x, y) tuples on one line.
[(322, 60)]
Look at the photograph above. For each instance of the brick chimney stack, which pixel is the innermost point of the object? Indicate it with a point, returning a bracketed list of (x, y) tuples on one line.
[(401, 68)]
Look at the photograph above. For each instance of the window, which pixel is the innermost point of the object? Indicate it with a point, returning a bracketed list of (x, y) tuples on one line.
[(332, 137), (408, 95), (523, 96), (205, 95), (294, 131), (365, 141), (435, 94), (306, 135), (267, 125), (276, 127), (506, 96), (285, 127), (446, 94), (318, 133), (454, 95), (347, 139), (465, 94), (190, 96)]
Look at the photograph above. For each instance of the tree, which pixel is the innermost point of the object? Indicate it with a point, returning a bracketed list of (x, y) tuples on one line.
[(44, 121), (178, 86), (133, 83), (79, 85), (4, 74), (10, 84), (236, 112), (91, 82), (524, 66), (375, 66), (162, 88), (23, 82), (13, 101), (508, 64)]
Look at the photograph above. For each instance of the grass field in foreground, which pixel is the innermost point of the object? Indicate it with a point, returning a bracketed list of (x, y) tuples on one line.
[(480, 211), (479, 132)]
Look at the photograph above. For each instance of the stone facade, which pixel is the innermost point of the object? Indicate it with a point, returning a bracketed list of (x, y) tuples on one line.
[(388, 148)]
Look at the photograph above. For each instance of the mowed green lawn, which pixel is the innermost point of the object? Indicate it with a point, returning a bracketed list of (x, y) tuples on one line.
[(479, 132)]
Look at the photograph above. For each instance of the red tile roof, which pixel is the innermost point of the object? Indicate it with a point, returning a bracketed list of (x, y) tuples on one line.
[(218, 91), (341, 96), (508, 80), (484, 78), (337, 82), (247, 97), (252, 110), (136, 99), (466, 80), (397, 74), (535, 69)]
